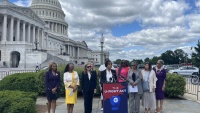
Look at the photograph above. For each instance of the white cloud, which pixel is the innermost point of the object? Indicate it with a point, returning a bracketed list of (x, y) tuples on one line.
[(197, 3), (165, 26), (25, 3)]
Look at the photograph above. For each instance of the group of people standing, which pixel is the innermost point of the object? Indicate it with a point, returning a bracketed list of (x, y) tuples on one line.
[(71, 82), (150, 82), (154, 77)]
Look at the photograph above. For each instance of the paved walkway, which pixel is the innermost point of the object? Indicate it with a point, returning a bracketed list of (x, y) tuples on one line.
[(170, 106)]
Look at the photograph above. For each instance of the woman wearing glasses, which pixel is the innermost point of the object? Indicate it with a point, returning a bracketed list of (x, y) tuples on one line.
[(71, 82), (122, 71), (160, 84), (88, 83), (135, 77)]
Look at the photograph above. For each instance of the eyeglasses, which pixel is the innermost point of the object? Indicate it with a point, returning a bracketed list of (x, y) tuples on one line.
[(123, 63), (88, 66)]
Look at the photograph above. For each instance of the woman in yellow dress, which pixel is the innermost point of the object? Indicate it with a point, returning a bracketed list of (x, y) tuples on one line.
[(71, 82)]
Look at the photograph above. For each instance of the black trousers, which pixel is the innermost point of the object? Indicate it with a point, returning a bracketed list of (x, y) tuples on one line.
[(88, 97)]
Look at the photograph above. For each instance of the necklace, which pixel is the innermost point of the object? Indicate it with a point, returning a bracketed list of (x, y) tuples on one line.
[(158, 70)]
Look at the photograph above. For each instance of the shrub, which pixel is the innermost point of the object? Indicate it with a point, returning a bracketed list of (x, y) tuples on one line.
[(20, 81), (17, 102), (175, 85)]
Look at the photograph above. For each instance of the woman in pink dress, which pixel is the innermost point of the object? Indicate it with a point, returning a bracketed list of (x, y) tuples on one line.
[(122, 71)]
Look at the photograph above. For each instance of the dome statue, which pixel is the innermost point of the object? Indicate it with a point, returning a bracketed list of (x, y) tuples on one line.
[(50, 11)]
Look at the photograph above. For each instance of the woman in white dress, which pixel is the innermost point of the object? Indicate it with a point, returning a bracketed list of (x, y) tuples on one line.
[(149, 100)]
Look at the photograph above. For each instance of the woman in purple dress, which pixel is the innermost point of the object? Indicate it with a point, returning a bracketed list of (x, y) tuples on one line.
[(160, 84)]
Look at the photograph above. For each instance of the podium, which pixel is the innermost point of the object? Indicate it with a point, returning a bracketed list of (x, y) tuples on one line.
[(115, 98)]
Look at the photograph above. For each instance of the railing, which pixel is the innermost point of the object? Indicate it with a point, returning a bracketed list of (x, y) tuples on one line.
[(6, 73), (192, 85), (19, 71), (3, 74)]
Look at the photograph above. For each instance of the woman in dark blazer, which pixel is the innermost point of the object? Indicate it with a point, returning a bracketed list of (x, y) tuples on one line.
[(88, 83), (52, 83), (108, 75)]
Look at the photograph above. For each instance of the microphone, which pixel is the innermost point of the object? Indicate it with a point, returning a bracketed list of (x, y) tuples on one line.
[(110, 79), (113, 77)]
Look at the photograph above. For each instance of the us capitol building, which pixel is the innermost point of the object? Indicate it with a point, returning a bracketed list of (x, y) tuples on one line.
[(38, 35)]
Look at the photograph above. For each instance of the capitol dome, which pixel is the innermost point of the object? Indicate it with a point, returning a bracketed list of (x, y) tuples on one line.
[(50, 11)]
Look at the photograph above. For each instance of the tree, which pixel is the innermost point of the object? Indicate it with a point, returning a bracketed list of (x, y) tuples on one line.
[(118, 61), (147, 60), (179, 56), (168, 57), (196, 55), (154, 60), (139, 61)]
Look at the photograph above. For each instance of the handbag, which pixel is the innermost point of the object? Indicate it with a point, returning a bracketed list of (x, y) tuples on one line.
[(145, 84)]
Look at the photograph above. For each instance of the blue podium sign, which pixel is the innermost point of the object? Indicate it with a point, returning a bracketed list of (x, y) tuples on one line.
[(115, 98)]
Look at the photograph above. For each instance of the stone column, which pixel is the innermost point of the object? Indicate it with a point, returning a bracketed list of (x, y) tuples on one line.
[(47, 45), (56, 27), (29, 33), (73, 51), (42, 39), (11, 28), (78, 53), (51, 26), (4, 31), (38, 34), (24, 31), (60, 28), (33, 34), (18, 29), (68, 50), (63, 29)]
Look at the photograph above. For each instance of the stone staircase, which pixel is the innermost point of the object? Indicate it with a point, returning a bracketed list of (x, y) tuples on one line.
[(53, 58)]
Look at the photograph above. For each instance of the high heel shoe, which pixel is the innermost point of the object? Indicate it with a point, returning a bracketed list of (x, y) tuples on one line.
[(157, 109), (160, 110)]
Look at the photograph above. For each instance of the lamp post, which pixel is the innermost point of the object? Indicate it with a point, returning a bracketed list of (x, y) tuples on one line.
[(102, 42)]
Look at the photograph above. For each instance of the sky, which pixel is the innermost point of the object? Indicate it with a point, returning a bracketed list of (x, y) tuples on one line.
[(133, 29)]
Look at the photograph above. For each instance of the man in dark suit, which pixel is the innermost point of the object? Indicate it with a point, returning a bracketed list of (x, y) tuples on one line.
[(88, 83)]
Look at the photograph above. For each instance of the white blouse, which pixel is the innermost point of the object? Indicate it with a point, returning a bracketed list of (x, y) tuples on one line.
[(67, 79), (108, 75)]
